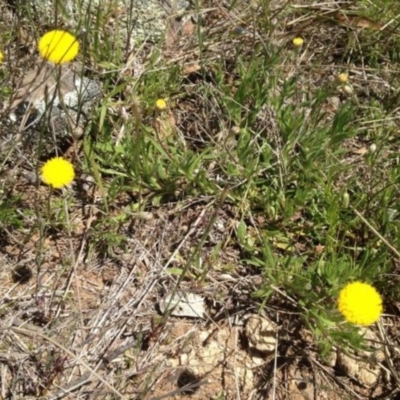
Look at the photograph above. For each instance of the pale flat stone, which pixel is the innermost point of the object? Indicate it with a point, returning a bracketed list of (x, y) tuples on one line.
[(182, 304), (362, 366), (261, 333), (57, 91)]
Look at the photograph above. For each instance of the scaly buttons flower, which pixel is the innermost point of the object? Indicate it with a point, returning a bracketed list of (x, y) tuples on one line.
[(58, 46), (161, 104), (343, 77), (298, 41), (1, 57), (57, 172), (360, 303)]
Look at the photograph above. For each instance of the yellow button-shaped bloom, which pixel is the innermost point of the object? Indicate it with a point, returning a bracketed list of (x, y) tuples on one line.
[(298, 41), (1, 57), (57, 172), (360, 303), (161, 104), (58, 46), (343, 78)]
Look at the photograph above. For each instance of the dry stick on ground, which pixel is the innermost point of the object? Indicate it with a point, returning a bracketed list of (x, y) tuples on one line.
[(393, 249), (388, 357), (88, 377), (338, 381), (29, 333)]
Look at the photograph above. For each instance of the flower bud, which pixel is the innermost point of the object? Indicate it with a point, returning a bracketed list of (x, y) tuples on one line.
[(343, 78), (298, 41), (161, 104), (345, 199), (372, 148)]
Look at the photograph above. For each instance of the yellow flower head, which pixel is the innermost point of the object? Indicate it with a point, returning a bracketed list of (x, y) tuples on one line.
[(360, 303), (161, 104), (1, 57), (298, 41), (343, 78), (58, 46), (58, 172)]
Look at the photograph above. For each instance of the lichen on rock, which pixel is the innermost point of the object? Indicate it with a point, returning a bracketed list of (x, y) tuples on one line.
[(137, 20), (58, 92)]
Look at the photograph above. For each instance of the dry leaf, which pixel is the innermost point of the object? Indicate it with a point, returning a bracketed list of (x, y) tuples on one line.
[(191, 68), (357, 21), (361, 151), (188, 28)]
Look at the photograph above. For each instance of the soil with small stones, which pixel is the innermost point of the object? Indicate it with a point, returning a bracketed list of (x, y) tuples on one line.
[(80, 316)]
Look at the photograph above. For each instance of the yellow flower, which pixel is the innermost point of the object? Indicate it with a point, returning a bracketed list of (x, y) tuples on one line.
[(1, 57), (58, 172), (161, 104), (360, 303), (298, 41), (58, 46), (343, 78)]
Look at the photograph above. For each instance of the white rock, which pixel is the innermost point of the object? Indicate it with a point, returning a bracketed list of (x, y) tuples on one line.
[(182, 304), (362, 366), (261, 333), (58, 90)]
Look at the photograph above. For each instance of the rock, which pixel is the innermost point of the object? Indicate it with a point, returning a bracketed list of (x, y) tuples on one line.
[(182, 304), (55, 95), (261, 334), (134, 21), (363, 372), (363, 366)]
